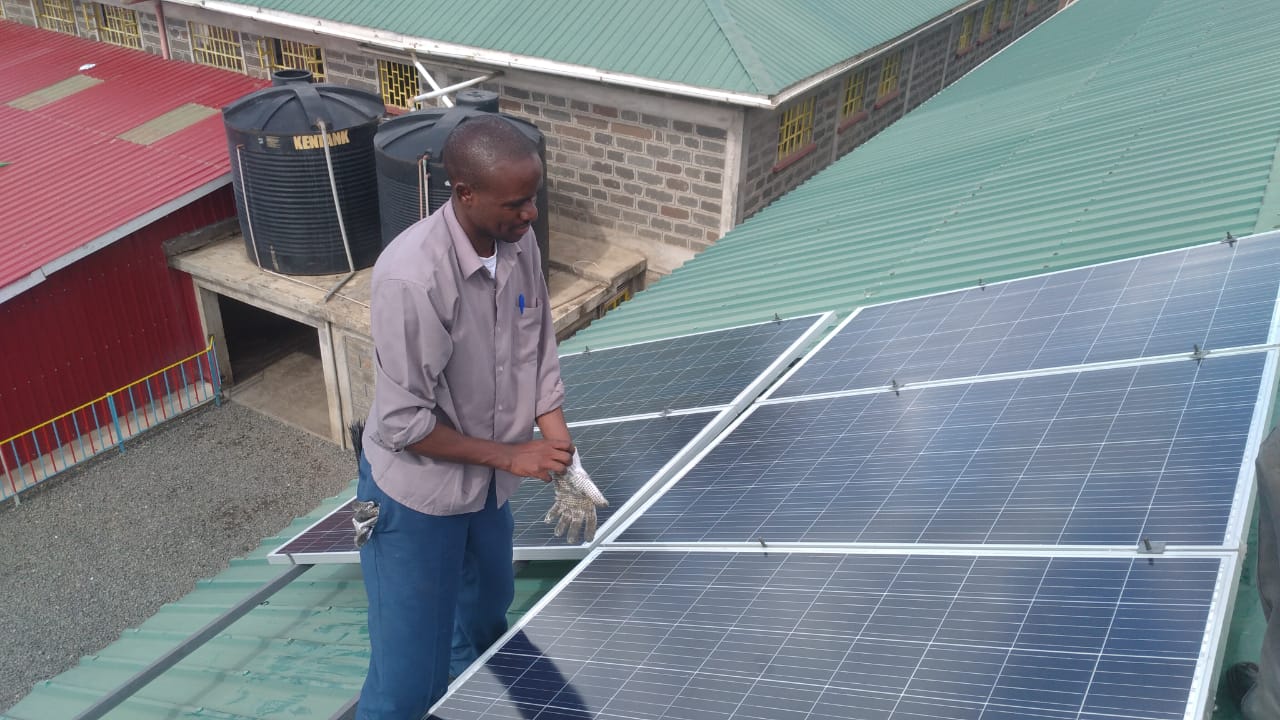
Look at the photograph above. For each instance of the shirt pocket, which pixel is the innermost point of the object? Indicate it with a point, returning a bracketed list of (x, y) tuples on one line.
[(529, 334)]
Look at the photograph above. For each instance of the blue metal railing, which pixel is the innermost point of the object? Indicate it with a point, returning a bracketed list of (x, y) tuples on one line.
[(34, 455)]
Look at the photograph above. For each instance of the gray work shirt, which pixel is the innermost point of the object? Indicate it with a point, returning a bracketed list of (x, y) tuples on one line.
[(453, 343)]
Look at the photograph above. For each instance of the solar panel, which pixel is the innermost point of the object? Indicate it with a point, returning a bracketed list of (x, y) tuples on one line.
[(696, 635), (1103, 457), (622, 457), (708, 369), (1214, 297)]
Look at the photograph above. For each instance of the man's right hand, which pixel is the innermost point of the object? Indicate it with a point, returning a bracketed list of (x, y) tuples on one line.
[(539, 458)]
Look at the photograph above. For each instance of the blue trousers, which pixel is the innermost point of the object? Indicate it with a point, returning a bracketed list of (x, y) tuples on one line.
[(439, 589)]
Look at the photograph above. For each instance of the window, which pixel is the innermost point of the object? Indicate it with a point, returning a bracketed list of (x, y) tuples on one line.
[(988, 21), (116, 25), (966, 35), (1006, 14), (889, 75), (216, 46), (398, 83), (291, 55), (795, 131), (56, 15), (855, 94)]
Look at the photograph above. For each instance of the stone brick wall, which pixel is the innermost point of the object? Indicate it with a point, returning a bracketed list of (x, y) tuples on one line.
[(929, 63), (620, 170), (19, 11)]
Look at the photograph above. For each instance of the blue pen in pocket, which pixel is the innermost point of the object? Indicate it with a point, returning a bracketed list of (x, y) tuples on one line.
[(521, 301)]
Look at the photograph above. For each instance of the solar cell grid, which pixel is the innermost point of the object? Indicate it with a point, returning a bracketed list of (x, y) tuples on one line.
[(1215, 297), (1104, 457), (622, 458), (703, 370), (722, 635)]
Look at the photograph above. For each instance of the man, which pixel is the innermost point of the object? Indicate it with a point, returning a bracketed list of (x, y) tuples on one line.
[(465, 357), (1255, 688)]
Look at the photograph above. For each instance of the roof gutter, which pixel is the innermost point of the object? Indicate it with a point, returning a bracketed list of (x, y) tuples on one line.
[(386, 40), (41, 273), (813, 81)]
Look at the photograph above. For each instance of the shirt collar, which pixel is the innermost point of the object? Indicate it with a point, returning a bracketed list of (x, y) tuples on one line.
[(468, 261)]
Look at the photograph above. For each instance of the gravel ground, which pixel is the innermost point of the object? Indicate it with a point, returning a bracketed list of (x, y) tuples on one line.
[(100, 549)]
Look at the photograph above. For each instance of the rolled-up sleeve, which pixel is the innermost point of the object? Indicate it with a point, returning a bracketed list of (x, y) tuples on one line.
[(550, 386), (411, 348)]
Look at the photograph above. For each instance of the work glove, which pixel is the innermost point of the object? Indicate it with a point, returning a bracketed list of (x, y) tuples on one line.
[(576, 501)]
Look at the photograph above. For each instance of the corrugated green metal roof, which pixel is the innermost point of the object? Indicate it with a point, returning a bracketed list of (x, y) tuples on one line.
[(734, 45), (300, 655), (1115, 129)]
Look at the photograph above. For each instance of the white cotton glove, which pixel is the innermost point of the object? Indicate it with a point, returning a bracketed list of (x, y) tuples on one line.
[(576, 501)]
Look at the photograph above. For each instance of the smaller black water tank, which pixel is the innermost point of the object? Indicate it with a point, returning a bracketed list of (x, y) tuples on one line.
[(281, 178), (409, 152)]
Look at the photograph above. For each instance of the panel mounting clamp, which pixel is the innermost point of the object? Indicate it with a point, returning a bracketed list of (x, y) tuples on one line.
[(1150, 547)]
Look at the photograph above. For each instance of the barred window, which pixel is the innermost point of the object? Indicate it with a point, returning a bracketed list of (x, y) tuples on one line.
[(988, 21), (56, 15), (795, 131), (398, 83), (292, 55), (965, 41), (216, 46), (889, 74), (855, 94), (116, 25)]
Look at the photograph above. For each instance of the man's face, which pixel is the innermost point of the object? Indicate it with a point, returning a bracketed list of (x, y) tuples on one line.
[(502, 205)]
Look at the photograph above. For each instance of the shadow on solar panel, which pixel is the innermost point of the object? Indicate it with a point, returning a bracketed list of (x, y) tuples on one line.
[(673, 634)]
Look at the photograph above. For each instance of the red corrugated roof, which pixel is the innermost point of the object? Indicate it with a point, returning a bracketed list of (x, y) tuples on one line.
[(71, 182)]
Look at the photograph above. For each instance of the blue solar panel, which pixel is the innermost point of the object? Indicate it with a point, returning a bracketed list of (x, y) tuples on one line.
[(703, 370), (621, 457), (697, 636), (1215, 296), (1108, 456)]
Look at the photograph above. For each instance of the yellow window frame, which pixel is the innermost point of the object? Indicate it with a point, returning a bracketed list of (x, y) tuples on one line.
[(216, 46), (988, 21), (795, 129), (276, 54), (115, 25), (855, 94), (58, 15), (965, 41), (889, 72), (398, 84)]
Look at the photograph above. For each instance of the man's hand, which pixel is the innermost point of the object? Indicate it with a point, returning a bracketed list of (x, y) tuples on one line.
[(538, 458), (576, 501)]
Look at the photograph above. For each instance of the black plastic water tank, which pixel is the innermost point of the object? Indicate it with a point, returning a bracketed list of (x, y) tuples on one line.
[(411, 179), (281, 179)]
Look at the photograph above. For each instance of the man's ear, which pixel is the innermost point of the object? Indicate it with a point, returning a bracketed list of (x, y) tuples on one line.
[(463, 192)]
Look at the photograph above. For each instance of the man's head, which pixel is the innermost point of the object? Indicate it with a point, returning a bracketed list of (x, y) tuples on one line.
[(495, 173)]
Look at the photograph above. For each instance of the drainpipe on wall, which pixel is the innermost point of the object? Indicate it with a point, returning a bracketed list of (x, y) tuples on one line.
[(164, 32)]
